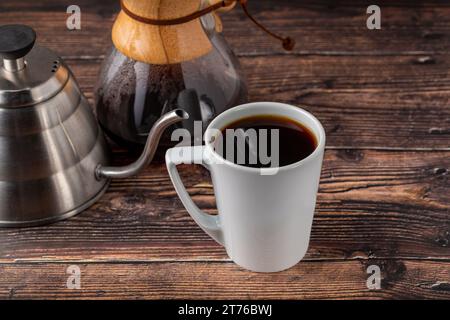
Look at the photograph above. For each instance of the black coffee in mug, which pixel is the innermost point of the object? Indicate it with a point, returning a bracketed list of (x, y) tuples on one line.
[(257, 140)]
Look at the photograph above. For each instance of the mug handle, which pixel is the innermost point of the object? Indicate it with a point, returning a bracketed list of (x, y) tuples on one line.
[(192, 155)]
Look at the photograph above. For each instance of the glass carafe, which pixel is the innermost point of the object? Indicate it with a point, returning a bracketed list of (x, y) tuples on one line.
[(152, 69)]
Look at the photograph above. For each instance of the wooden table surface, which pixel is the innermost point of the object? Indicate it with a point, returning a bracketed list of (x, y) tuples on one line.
[(384, 199)]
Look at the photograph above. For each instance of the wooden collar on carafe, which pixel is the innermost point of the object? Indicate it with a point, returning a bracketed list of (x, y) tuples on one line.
[(288, 43)]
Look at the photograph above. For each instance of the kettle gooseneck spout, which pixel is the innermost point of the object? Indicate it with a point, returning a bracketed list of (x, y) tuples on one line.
[(147, 155)]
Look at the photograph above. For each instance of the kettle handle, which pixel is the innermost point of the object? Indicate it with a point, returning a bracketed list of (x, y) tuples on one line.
[(147, 155)]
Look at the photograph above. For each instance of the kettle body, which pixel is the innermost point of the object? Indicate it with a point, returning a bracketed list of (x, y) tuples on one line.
[(53, 155), (48, 154)]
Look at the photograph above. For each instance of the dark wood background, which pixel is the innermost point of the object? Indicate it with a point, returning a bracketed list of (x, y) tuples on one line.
[(384, 197)]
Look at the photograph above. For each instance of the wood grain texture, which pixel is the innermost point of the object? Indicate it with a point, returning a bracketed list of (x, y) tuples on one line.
[(212, 280), (384, 198), (393, 100), (320, 27), (363, 102), (371, 204)]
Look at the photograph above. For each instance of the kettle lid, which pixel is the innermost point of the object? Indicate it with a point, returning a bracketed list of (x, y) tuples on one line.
[(29, 74)]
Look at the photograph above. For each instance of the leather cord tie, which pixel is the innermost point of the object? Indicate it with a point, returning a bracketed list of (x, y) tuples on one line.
[(288, 43)]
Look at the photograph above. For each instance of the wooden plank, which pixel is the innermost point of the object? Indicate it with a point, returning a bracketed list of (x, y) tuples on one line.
[(365, 102), (320, 27), (205, 280), (383, 97), (371, 204)]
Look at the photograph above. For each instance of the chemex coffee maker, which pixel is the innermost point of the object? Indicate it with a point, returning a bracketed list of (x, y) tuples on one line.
[(169, 66), (168, 54)]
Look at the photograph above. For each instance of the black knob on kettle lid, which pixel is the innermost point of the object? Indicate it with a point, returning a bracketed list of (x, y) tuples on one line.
[(16, 41)]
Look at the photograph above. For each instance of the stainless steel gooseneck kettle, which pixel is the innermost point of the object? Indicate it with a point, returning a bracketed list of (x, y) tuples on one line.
[(53, 156)]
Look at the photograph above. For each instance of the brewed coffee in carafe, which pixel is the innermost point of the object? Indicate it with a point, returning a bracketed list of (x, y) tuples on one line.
[(132, 95), (168, 54), (188, 66)]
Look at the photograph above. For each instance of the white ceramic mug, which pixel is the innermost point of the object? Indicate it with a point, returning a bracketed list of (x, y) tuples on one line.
[(264, 221)]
